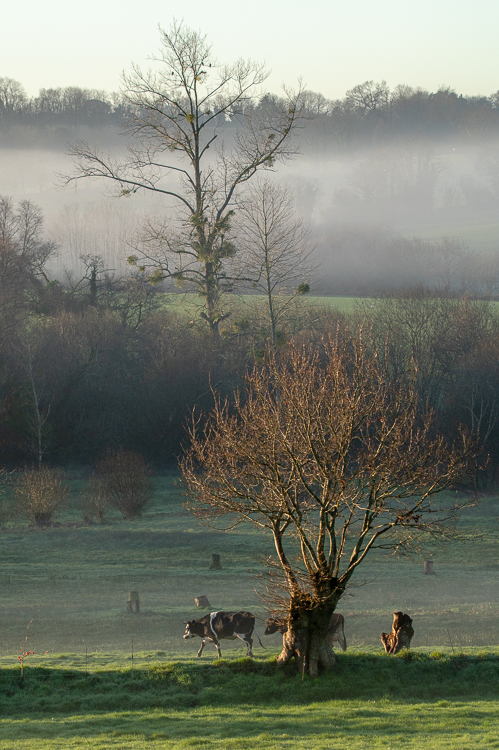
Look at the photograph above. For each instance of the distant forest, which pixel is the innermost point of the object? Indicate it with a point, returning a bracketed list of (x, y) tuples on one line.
[(370, 114)]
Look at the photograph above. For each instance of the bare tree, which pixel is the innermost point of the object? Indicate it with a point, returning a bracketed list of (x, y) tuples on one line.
[(123, 481), (32, 245), (36, 415), (182, 118), (12, 96), (275, 250), (369, 96), (39, 494), (34, 365), (332, 458), (23, 249)]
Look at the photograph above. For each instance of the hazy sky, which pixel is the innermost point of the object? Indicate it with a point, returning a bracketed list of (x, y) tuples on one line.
[(331, 44)]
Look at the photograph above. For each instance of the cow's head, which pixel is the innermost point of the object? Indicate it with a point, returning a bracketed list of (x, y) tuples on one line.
[(188, 633), (274, 625)]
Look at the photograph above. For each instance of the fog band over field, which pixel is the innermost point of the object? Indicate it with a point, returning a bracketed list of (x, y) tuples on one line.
[(381, 217)]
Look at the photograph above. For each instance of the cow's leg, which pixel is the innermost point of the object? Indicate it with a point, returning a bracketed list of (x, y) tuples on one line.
[(249, 643), (339, 637), (202, 647), (217, 644), (342, 640)]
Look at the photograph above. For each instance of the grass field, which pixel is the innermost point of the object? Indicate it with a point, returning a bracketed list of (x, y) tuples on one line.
[(79, 576), (189, 304), (370, 700), (481, 234), (76, 578)]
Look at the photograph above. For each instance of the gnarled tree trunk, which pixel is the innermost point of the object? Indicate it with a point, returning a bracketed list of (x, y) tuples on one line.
[(306, 639)]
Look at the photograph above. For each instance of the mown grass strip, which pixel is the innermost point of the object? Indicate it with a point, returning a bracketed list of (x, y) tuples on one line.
[(332, 725)]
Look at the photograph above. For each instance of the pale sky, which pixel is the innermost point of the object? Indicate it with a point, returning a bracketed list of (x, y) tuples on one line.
[(331, 44)]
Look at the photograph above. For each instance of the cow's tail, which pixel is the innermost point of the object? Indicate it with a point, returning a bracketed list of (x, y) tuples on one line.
[(259, 640)]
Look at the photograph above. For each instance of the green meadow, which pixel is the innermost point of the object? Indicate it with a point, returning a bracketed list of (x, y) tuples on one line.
[(481, 234), (188, 305), (369, 701), (103, 678)]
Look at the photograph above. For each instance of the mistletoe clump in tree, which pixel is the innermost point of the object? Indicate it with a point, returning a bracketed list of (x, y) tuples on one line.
[(197, 139), (334, 459)]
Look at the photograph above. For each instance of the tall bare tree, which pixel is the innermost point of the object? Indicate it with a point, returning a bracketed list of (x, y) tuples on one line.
[(35, 370), (275, 250), (334, 460), (23, 256), (369, 96), (197, 140)]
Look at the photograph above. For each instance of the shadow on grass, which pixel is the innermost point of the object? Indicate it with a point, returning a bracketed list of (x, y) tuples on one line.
[(230, 683)]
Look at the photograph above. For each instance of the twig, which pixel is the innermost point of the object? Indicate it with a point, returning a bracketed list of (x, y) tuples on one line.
[(450, 639), (22, 651)]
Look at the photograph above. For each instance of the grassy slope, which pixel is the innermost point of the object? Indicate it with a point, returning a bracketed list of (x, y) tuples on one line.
[(369, 701), (80, 577)]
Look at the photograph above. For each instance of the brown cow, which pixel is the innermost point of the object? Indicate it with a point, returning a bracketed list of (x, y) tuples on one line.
[(336, 630), (401, 634)]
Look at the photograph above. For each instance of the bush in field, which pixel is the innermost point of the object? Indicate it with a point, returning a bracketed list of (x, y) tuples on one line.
[(94, 504), (5, 509), (123, 480), (39, 493)]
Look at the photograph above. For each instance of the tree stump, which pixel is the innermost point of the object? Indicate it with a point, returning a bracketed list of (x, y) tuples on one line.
[(401, 634), (133, 599), (202, 601), (428, 568), (215, 563)]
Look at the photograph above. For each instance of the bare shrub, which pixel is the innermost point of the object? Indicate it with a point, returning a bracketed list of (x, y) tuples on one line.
[(39, 493), (123, 480), (94, 504), (5, 504)]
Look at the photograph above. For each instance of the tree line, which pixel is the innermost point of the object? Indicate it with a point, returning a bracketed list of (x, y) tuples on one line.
[(370, 114)]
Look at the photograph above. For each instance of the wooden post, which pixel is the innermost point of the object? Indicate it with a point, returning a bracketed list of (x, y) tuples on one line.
[(215, 563), (428, 568), (133, 598), (202, 601), (401, 634)]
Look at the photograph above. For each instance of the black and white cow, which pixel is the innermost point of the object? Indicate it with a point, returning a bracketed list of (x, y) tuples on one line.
[(219, 625), (336, 630)]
